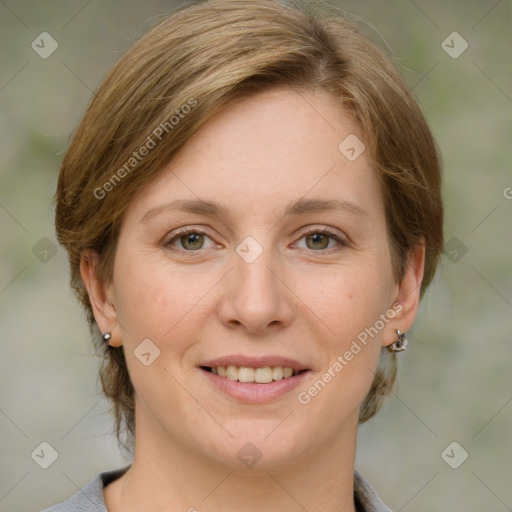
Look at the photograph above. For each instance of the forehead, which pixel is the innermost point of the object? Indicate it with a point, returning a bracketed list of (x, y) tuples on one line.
[(267, 150)]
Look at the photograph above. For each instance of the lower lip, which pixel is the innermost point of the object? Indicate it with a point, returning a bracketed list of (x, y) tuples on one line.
[(253, 392)]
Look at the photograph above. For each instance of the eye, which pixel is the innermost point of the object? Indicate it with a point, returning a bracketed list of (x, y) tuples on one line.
[(316, 239), (319, 239), (190, 239)]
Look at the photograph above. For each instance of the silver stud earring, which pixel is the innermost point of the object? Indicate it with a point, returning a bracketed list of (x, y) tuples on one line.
[(106, 337), (400, 344)]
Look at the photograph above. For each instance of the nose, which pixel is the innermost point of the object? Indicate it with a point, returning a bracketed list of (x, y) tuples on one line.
[(256, 297)]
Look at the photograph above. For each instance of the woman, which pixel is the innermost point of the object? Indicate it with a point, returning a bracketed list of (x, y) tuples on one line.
[(251, 207)]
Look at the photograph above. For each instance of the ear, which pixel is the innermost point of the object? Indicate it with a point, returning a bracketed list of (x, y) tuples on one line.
[(407, 295), (101, 296)]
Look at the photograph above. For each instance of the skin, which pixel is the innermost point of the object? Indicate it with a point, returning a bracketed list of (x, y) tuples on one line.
[(301, 298)]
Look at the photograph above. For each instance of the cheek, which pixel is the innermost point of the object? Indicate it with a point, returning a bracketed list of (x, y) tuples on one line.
[(161, 302), (154, 302), (149, 298), (347, 300), (348, 304)]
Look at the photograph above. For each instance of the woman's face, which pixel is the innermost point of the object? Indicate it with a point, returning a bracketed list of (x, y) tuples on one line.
[(262, 246)]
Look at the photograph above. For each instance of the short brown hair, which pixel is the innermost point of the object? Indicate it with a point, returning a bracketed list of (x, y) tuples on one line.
[(204, 57)]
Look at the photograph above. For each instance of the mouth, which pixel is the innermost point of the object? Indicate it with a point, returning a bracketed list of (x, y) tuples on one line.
[(259, 375), (255, 380)]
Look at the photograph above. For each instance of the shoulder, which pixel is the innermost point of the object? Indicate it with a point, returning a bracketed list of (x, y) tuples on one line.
[(366, 498), (89, 498)]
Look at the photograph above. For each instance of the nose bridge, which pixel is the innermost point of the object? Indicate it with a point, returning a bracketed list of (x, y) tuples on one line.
[(255, 296), (252, 267)]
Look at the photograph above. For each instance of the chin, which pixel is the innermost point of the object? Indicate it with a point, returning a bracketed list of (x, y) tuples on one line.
[(259, 445)]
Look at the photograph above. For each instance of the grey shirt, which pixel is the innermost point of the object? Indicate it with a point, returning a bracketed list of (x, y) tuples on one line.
[(90, 498)]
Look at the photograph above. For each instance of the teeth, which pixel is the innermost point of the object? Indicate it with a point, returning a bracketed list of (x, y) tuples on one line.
[(263, 375), (246, 374), (259, 375), (277, 372), (232, 372)]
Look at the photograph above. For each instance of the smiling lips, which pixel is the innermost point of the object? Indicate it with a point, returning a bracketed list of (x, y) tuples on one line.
[(255, 380), (262, 369)]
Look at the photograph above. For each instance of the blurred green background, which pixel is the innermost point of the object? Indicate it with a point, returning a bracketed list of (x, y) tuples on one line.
[(455, 380)]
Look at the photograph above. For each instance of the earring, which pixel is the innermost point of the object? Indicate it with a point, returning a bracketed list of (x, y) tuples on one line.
[(400, 344), (106, 337)]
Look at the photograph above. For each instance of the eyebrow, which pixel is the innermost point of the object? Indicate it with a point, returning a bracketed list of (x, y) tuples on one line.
[(212, 208)]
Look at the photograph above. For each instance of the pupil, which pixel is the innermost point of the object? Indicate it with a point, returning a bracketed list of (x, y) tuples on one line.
[(193, 239), (317, 238)]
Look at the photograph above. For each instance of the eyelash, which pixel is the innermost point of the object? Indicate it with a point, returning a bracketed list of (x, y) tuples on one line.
[(310, 231), (325, 231)]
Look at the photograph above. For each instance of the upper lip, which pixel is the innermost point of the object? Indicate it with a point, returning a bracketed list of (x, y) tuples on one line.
[(255, 362)]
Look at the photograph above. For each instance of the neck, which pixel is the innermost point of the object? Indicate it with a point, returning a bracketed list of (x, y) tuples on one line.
[(165, 473)]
